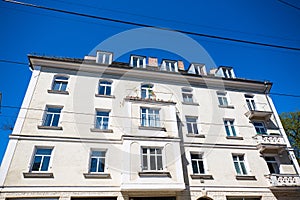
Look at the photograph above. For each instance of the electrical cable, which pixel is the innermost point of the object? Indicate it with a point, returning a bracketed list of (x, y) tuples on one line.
[(151, 26)]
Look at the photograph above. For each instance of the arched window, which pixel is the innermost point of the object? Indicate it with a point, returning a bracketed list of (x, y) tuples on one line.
[(60, 83), (104, 87)]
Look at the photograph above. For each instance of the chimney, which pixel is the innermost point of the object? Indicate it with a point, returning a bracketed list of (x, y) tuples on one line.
[(152, 62), (213, 71), (180, 65)]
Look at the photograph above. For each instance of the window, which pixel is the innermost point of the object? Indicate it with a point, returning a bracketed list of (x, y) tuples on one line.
[(104, 57), (147, 91), (227, 73), (104, 88), (229, 127), (191, 123), (197, 163), (272, 164), (138, 61), (260, 127), (250, 102), (170, 66), (239, 164), (102, 118), (150, 117), (152, 159), (41, 159), (97, 161), (52, 116), (60, 83), (187, 95), (222, 98), (200, 69)]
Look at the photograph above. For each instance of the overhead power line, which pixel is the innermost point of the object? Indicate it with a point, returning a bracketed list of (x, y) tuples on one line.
[(152, 26), (289, 4)]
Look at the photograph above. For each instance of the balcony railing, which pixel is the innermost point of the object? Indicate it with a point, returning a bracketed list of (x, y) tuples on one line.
[(284, 180), (258, 111), (270, 142)]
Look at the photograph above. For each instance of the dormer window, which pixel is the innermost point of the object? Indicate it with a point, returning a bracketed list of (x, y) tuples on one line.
[(104, 57), (198, 69), (138, 61), (169, 65)]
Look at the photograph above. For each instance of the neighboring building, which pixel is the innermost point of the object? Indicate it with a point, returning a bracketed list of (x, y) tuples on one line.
[(96, 129)]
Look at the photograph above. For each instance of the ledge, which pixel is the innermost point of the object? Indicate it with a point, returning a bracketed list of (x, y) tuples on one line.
[(244, 177), (50, 127), (234, 137), (201, 176), (155, 174), (152, 128), (97, 175), (38, 175), (195, 135), (105, 96), (58, 92), (226, 106), (190, 103), (154, 101), (101, 130)]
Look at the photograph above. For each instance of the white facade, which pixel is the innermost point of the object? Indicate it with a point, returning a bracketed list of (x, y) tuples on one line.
[(114, 131)]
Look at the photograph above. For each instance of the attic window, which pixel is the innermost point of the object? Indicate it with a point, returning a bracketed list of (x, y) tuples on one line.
[(169, 65), (138, 61), (228, 72), (104, 57)]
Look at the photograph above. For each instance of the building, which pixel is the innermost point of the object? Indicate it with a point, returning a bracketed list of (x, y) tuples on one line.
[(94, 129)]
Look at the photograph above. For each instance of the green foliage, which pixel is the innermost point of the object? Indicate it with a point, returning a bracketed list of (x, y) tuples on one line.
[(291, 125)]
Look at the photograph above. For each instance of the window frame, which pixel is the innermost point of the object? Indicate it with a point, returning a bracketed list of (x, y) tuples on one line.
[(250, 102), (52, 117), (167, 65), (139, 59), (32, 163), (148, 156), (60, 79), (103, 83), (197, 160), (243, 169), (147, 118), (104, 55), (98, 160), (275, 161), (230, 128), (147, 89), (223, 99), (263, 126), (187, 92), (101, 125), (192, 125)]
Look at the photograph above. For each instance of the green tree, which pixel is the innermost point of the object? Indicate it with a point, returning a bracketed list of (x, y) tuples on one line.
[(291, 125)]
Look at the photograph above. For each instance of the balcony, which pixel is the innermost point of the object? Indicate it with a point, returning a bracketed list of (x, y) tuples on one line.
[(270, 143), (258, 111), (284, 180)]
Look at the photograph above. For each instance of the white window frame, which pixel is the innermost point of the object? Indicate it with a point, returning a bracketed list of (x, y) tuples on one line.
[(53, 114), (98, 160), (148, 156), (149, 112), (60, 80), (198, 160), (102, 117), (187, 95), (200, 69), (223, 99), (139, 59), (148, 89), (227, 72), (232, 130), (262, 126), (105, 84), (250, 102), (192, 125), (167, 66), (43, 157), (240, 162), (104, 57), (275, 161)]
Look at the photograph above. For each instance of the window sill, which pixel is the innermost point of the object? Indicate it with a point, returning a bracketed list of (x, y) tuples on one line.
[(155, 174), (152, 128), (201, 176), (195, 135), (105, 96), (226, 106), (38, 175), (190, 103), (97, 175), (58, 92), (50, 127), (234, 137), (244, 177), (101, 130)]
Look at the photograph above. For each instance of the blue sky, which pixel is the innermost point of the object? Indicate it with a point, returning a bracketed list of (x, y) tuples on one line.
[(27, 30)]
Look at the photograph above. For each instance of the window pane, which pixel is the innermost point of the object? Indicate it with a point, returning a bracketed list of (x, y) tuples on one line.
[(44, 151), (48, 119), (101, 90), (56, 86), (152, 162), (243, 168), (195, 167), (145, 162), (201, 167), (159, 163), (45, 163), (196, 156), (93, 165), (101, 165), (55, 120), (237, 168), (63, 86), (36, 163)]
